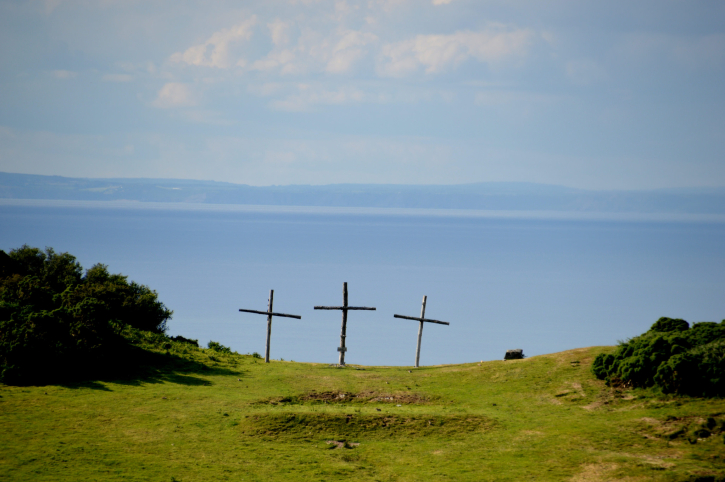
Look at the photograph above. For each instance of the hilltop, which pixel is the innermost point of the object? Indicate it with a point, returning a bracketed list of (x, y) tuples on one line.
[(203, 414)]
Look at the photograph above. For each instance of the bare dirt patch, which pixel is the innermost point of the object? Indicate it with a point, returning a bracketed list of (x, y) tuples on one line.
[(593, 405), (342, 444), (578, 387), (341, 397), (691, 428)]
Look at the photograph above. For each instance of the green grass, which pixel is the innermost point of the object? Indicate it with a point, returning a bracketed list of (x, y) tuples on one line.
[(203, 415)]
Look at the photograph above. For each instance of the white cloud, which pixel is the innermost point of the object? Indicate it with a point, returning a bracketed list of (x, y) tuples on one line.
[(279, 31), (278, 58), (174, 94), (441, 2), (349, 49), (215, 52), (436, 53), (336, 53), (64, 74)]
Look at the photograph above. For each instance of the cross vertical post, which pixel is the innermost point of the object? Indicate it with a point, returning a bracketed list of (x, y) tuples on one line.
[(343, 331), (420, 332), (422, 319), (269, 324), (270, 314)]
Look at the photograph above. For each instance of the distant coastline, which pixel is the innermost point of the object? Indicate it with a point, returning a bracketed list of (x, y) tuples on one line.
[(333, 210), (494, 199)]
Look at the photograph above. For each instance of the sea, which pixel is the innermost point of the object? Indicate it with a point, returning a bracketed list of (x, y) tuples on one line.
[(541, 282)]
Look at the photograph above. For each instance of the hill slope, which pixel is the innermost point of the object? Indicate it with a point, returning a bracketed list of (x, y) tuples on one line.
[(210, 416), (505, 196)]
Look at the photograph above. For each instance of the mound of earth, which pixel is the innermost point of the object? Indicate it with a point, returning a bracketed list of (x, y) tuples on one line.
[(334, 397), (351, 425)]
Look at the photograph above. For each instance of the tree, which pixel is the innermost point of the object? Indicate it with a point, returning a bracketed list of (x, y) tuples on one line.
[(58, 324)]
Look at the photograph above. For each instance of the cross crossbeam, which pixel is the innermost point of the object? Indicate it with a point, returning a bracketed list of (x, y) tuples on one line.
[(270, 314), (344, 308), (429, 320), (422, 319), (273, 314)]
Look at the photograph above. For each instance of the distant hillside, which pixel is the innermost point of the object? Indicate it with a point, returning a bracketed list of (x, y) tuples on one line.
[(485, 196)]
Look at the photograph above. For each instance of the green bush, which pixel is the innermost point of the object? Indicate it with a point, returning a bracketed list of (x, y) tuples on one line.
[(218, 347), (671, 355), (58, 324), (182, 339)]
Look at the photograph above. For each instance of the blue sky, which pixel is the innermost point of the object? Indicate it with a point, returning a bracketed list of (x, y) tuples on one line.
[(601, 95)]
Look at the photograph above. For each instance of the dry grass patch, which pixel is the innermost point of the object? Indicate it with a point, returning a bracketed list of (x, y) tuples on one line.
[(596, 473)]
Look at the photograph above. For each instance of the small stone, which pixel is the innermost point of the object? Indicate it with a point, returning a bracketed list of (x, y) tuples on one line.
[(163, 398)]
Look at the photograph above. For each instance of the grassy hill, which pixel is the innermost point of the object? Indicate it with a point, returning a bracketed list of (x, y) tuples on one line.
[(203, 415)]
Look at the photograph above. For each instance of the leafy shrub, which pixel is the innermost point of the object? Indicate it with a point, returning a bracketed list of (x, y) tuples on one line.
[(666, 325), (671, 355), (181, 339), (218, 347), (256, 355), (58, 324)]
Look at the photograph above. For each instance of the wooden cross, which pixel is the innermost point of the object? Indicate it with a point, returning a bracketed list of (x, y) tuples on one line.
[(342, 349), (270, 314), (420, 328)]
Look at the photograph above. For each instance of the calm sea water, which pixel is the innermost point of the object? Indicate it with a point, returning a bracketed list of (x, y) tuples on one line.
[(543, 285)]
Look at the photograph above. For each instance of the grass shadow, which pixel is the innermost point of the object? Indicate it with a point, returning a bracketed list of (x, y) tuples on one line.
[(135, 366)]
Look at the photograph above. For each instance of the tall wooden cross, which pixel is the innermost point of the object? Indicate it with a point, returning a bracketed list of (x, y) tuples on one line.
[(342, 349), (270, 314), (420, 328)]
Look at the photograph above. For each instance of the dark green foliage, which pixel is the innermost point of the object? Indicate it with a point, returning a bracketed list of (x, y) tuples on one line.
[(666, 325), (218, 347), (671, 355), (181, 339), (56, 324), (256, 355)]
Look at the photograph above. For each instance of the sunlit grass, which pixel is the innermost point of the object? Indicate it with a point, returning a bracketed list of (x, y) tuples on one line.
[(208, 416)]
